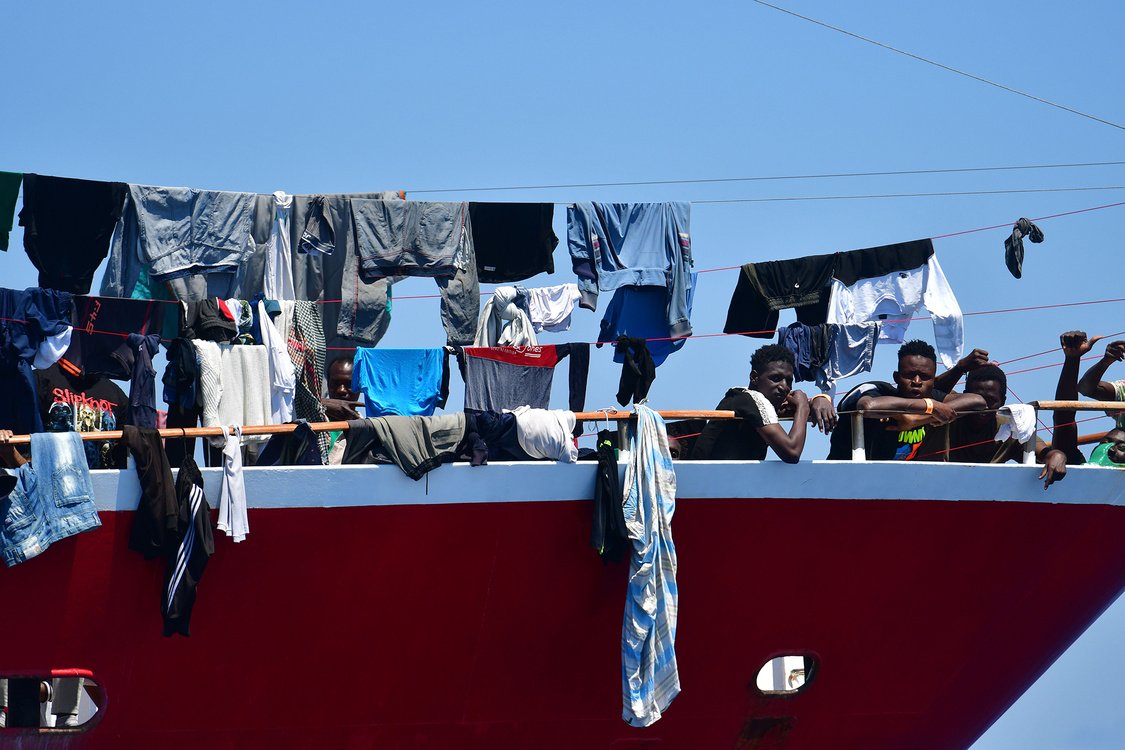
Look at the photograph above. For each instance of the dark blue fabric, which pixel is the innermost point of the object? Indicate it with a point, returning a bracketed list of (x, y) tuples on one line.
[(641, 312), (27, 318)]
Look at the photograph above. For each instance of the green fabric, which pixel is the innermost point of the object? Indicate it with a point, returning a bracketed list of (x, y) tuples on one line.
[(9, 189), (1100, 457)]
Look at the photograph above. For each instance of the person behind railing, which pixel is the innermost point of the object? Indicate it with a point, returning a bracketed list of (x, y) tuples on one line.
[(340, 406), (769, 394), (1110, 452), (1092, 385), (896, 417)]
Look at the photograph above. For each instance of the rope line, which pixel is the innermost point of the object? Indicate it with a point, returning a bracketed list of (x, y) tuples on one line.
[(769, 178), (949, 68)]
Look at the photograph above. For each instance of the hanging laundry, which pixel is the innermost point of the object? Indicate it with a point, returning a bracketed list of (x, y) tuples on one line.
[(497, 431), (193, 545), (53, 348), (28, 320), (209, 320), (811, 347), (851, 352), (403, 382), (546, 433), (301, 324), (888, 284), (297, 448), (503, 323), (9, 190), (142, 387), (209, 391), (157, 508), (1013, 245), (633, 244), (181, 236), (233, 518), (245, 397), (416, 445), (505, 377), (608, 534), (282, 377), (52, 498), (550, 307), (67, 227), (84, 403), (419, 238), (513, 241), (765, 288), (640, 312), (638, 371), (278, 275), (99, 344), (410, 238), (242, 313), (650, 673), (362, 313), (183, 395)]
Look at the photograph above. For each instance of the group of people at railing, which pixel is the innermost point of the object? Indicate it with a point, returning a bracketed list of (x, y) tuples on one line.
[(918, 417)]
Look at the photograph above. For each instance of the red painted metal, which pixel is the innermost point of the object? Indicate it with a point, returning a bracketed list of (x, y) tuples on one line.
[(494, 625)]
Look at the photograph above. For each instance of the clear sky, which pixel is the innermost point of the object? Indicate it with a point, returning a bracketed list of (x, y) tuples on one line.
[(340, 97)]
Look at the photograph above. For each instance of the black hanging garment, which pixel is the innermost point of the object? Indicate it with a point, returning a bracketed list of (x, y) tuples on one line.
[(513, 241), (156, 520), (1013, 245), (765, 288), (608, 534), (637, 370), (188, 558), (67, 225)]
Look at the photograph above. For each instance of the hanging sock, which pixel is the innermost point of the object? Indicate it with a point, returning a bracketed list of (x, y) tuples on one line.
[(637, 370), (1013, 245)]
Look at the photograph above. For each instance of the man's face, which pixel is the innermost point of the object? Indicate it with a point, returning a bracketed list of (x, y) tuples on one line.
[(990, 390), (915, 376), (775, 381), (340, 381), (1116, 452)]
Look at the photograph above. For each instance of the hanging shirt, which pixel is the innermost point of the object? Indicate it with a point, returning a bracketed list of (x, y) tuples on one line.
[(282, 377), (642, 312), (513, 241), (503, 322), (633, 244), (506, 377), (551, 307), (403, 382), (233, 518), (28, 319), (188, 558), (84, 403), (99, 344), (892, 298), (277, 282)]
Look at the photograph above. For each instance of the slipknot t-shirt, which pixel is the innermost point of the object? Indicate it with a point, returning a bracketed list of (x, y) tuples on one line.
[(97, 402)]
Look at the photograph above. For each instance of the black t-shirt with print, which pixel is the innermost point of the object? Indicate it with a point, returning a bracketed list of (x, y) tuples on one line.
[(94, 397), (727, 440), (882, 444)]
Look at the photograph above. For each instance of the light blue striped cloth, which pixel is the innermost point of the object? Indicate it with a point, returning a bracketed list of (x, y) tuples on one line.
[(650, 677)]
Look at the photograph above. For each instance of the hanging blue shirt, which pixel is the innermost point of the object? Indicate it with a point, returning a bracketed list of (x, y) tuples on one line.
[(403, 382)]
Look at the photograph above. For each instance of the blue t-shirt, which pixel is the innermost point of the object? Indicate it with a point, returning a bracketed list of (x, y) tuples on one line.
[(405, 382)]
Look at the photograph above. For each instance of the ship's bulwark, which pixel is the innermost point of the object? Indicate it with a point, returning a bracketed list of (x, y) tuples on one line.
[(428, 622)]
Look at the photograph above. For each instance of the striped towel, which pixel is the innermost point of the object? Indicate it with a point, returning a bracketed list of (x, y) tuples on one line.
[(650, 677)]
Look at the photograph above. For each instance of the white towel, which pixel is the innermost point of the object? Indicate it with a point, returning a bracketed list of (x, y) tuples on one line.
[(1020, 423), (546, 433), (209, 359), (246, 392)]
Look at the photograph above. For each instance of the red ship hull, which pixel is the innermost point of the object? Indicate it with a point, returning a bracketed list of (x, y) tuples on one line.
[(422, 621)]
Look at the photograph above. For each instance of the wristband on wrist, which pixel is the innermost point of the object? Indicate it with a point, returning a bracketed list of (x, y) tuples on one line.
[(821, 395), (929, 405)]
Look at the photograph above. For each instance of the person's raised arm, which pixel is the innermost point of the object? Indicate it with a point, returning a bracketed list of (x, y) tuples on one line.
[(1074, 345), (789, 445), (1091, 384), (949, 379)]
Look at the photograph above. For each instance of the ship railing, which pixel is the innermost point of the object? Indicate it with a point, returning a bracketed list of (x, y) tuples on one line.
[(859, 451)]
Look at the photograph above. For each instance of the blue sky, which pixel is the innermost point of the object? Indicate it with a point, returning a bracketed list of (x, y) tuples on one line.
[(341, 97)]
